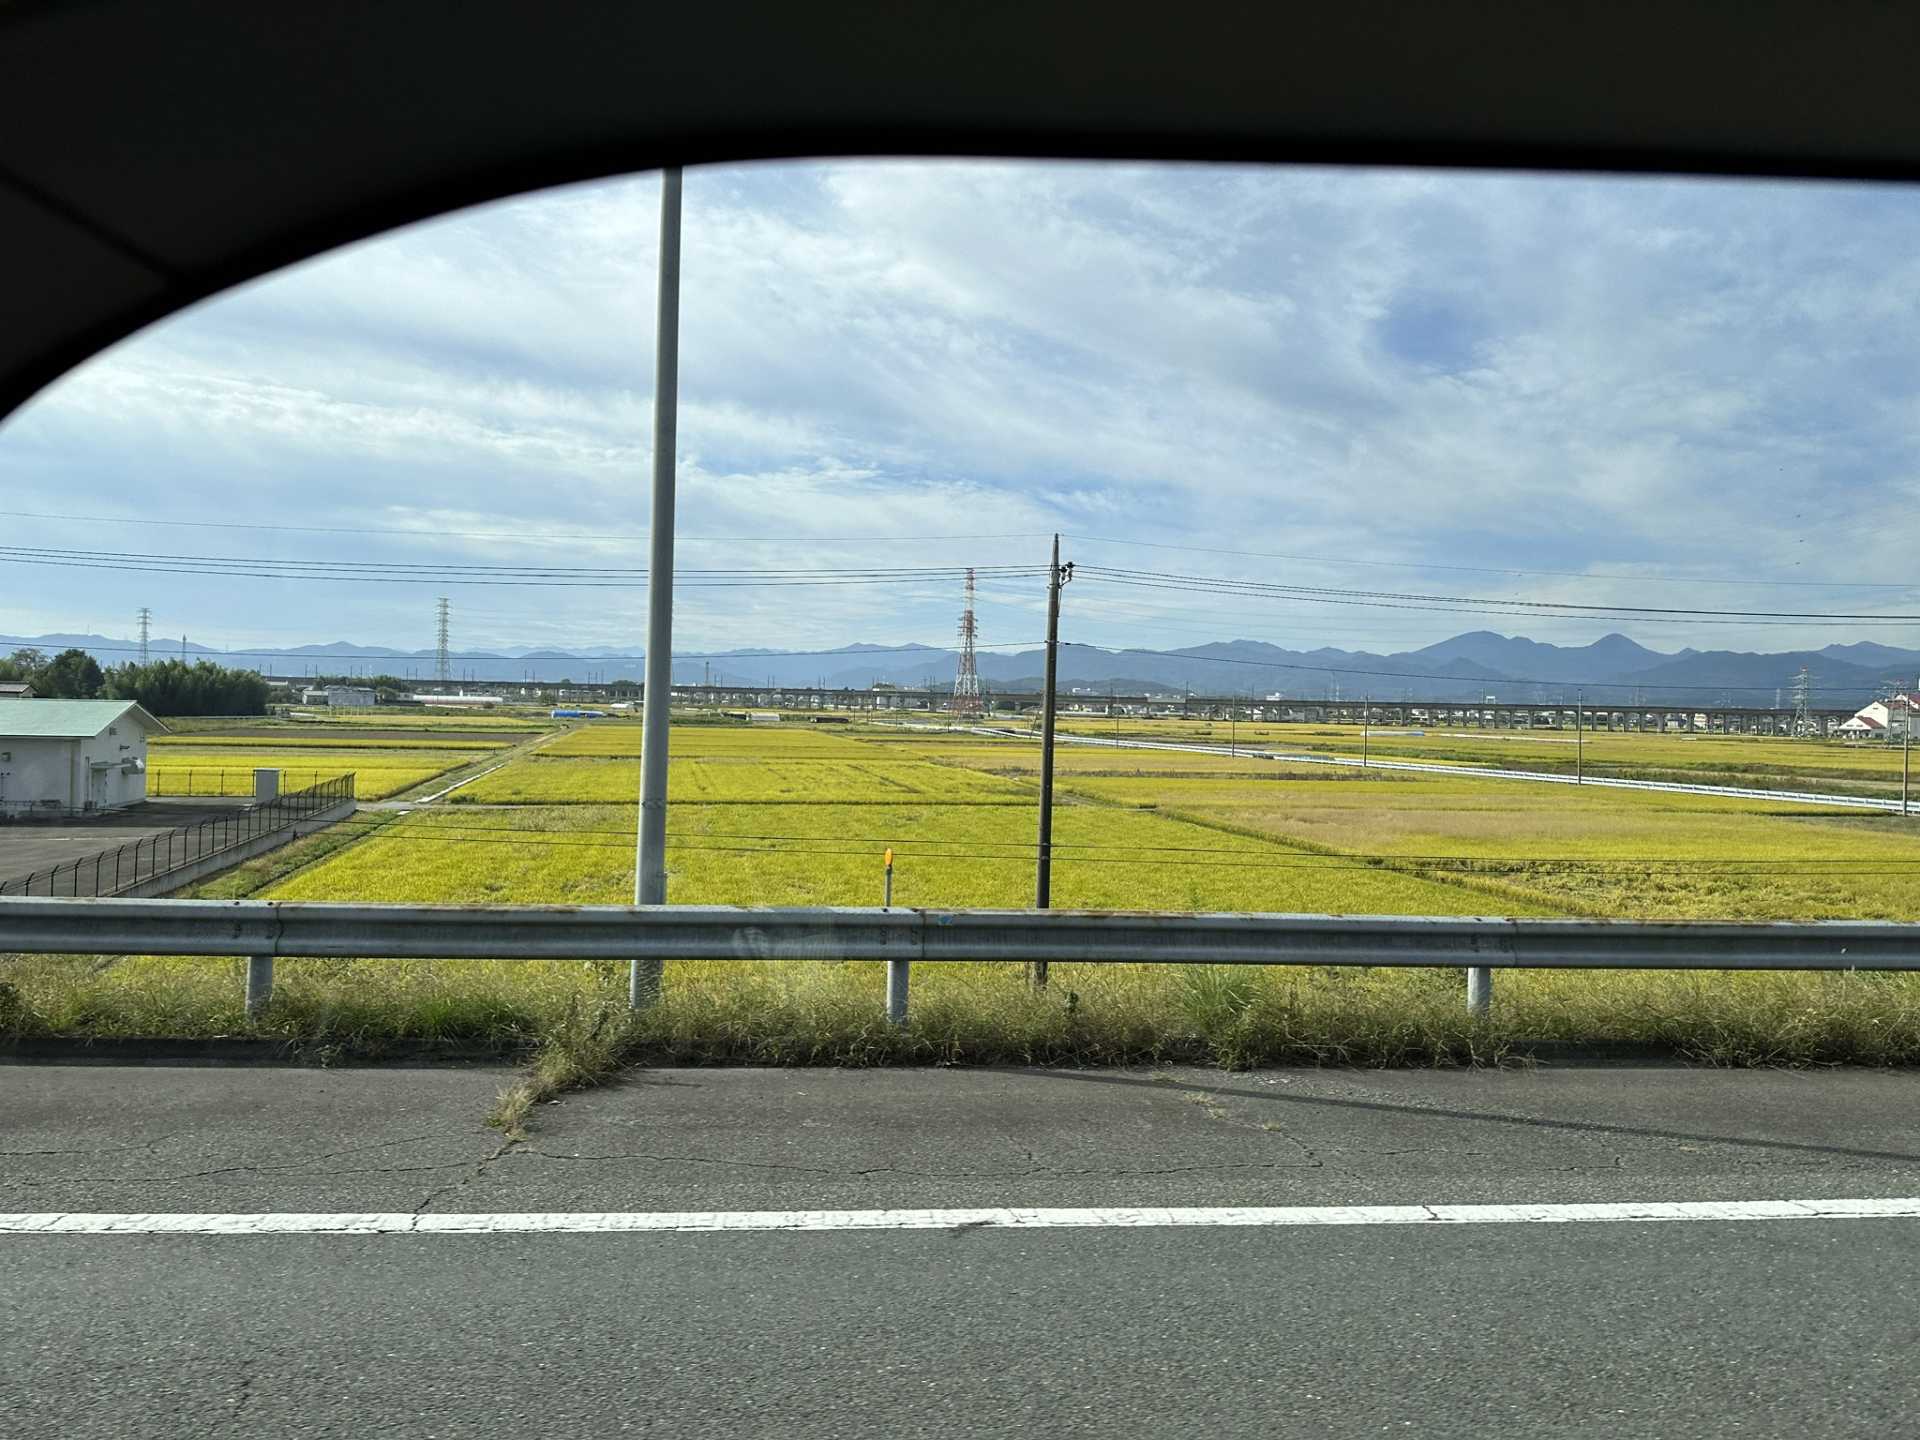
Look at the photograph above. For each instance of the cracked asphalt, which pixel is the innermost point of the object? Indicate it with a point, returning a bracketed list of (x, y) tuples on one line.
[(1699, 1328)]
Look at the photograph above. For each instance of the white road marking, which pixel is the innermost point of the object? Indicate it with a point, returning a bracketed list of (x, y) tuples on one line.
[(608, 1222)]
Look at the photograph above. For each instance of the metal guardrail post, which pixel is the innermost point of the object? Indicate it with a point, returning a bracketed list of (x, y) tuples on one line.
[(1479, 991), (259, 984), (898, 976)]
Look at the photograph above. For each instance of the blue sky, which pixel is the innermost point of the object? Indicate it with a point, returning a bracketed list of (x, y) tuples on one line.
[(1670, 390)]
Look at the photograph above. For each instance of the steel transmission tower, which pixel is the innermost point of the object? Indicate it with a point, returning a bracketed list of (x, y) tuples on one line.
[(146, 631), (1803, 702), (441, 669), (966, 684)]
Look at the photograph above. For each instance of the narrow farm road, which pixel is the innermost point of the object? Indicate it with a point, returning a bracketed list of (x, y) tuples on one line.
[(1478, 772)]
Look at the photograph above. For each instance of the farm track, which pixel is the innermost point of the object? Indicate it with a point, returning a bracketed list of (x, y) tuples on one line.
[(1480, 772)]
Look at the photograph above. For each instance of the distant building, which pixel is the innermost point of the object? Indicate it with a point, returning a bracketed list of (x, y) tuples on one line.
[(457, 702), (15, 690), (339, 696), (1882, 720), (73, 755)]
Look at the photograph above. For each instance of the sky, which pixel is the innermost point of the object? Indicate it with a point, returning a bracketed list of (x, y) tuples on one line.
[(1686, 394)]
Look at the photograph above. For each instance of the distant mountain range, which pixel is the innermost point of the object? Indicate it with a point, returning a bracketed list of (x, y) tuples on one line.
[(1612, 670)]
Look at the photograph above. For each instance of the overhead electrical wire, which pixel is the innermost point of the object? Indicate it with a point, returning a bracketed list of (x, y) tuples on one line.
[(546, 576), (247, 653), (1321, 594), (1596, 576), (561, 537)]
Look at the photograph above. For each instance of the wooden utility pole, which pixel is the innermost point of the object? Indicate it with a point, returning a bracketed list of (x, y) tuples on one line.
[(1043, 874)]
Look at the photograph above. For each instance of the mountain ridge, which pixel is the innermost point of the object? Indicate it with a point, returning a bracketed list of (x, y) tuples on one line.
[(1613, 670)]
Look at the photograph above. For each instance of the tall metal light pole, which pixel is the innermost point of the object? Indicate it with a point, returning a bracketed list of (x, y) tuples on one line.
[(1043, 872), (650, 860)]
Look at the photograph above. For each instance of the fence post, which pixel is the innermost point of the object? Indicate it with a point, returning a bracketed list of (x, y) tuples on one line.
[(259, 984), (1479, 991)]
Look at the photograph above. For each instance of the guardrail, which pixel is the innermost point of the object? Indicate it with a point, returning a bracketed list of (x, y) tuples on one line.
[(265, 930), (153, 857)]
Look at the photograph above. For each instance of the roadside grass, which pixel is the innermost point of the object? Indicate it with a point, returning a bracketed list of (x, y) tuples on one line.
[(569, 1023)]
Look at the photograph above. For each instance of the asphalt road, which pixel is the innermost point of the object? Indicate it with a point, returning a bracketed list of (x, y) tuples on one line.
[(1704, 1328)]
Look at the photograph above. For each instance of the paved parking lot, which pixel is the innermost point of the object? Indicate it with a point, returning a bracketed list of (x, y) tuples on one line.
[(28, 846)]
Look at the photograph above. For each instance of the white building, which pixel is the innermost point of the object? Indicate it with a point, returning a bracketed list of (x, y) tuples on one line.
[(74, 755), (1882, 720), (457, 702)]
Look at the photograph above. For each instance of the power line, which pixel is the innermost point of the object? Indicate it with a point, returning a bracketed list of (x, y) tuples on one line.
[(549, 536), (1489, 570), (559, 577), (1216, 584), (542, 656)]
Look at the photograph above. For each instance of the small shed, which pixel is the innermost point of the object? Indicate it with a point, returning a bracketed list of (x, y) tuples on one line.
[(73, 755)]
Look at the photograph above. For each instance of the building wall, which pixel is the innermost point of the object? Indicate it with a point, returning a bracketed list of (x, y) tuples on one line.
[(35, 771), (38, 771), (113, 766)]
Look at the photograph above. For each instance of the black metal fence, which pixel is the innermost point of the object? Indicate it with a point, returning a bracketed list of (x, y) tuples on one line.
[(191, 782), (112, 872)]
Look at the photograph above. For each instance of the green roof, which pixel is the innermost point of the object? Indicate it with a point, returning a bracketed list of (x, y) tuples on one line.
[(67, 719)]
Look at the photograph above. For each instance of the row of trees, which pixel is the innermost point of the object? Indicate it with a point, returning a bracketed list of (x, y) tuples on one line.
[(165, 687)]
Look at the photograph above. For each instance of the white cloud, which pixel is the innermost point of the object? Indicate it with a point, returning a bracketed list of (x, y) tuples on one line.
[(1649, 379)]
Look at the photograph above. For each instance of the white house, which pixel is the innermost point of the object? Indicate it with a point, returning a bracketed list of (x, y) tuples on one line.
[(73, 754)]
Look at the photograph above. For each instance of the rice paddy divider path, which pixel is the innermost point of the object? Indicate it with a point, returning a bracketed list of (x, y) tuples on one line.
[(465, 775), (1671, 787)]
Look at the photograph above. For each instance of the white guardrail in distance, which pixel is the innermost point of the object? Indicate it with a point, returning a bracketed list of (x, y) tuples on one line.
[(263, 930)]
